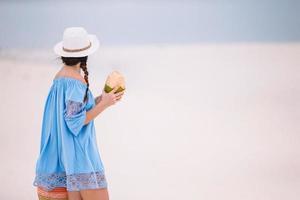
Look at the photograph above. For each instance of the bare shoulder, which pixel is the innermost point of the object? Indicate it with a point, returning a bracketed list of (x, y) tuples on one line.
[(70, 74)]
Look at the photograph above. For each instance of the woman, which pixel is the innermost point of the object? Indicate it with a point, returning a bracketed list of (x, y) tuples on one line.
[(69, 165)]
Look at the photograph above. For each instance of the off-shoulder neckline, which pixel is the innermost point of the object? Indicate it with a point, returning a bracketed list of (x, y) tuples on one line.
[(69, 78)]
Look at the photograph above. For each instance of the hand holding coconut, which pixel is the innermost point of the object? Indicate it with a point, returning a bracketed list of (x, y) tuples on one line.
[(111, 98), (113, 89), (112, 92)]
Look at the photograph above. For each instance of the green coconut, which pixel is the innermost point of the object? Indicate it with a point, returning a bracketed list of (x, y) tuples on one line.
[(114, 79), (107, 89)]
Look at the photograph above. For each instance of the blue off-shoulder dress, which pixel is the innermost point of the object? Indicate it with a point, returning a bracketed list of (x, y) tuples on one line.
[(68, 155)]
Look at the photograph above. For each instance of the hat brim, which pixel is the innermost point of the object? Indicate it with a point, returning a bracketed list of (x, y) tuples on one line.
[(58, 48)]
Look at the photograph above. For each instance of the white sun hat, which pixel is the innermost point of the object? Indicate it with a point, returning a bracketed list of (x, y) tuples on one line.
[(76, 43)]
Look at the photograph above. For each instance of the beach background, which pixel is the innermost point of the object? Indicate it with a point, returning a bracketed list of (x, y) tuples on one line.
[(212, 103)]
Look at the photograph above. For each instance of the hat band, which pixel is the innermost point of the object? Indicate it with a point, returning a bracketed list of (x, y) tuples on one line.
[(77, 50)]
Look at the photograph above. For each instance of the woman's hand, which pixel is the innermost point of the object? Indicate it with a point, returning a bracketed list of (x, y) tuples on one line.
[(108, 99)]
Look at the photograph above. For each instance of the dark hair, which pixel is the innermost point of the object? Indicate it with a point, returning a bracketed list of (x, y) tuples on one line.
[(82, 60)]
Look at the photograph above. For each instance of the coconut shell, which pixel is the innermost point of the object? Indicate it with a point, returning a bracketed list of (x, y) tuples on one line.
[(114, 79)]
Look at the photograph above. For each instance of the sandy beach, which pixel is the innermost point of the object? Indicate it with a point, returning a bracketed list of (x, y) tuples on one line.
[(201, 121)]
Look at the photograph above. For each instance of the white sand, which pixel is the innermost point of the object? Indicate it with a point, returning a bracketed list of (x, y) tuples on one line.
[(211, 122)]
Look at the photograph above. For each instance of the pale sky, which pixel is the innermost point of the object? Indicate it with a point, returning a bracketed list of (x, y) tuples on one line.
[(39, 24)]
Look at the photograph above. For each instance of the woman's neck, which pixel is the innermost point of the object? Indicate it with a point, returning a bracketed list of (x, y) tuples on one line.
[(75, 68)]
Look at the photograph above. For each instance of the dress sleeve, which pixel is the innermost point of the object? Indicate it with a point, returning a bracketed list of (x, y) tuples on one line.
[(75, 109)]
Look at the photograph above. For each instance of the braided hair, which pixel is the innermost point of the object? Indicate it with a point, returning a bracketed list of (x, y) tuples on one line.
[(70, 61)]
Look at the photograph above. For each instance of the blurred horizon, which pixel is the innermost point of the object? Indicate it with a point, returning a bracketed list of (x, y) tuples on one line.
[(40, 24)]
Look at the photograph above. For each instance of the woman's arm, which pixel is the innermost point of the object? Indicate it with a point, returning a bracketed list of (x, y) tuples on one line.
[(104, 100), (94, 112)]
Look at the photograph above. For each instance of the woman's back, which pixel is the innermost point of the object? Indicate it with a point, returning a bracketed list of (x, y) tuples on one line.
[(69, 154)]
